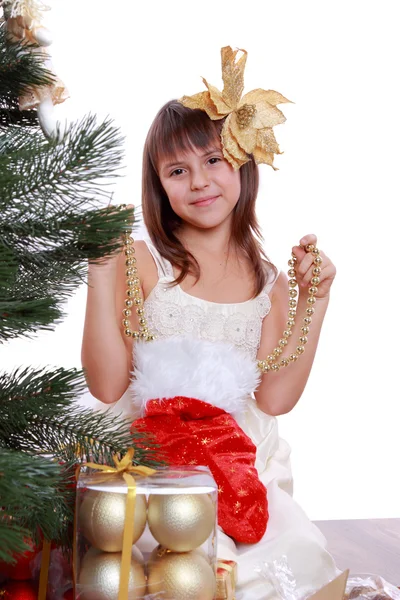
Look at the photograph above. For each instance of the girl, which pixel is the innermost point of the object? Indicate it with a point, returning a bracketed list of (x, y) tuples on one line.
[(216, 306)]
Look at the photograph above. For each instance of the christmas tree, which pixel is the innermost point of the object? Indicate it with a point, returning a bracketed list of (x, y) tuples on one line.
[(52, 191)]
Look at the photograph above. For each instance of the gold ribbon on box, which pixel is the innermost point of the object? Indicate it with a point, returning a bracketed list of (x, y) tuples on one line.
[(124, 467), (226, 579)]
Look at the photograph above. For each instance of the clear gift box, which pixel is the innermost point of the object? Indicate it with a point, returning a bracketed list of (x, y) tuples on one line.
[(161, 546)]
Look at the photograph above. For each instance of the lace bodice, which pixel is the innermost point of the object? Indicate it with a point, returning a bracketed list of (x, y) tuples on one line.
[(170, 311)]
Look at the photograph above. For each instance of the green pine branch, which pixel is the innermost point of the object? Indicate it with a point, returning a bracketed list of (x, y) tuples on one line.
[(33, 503), (20, 69), (38, 414)]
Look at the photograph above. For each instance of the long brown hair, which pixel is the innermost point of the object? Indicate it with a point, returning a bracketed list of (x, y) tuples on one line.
[(178, 129)]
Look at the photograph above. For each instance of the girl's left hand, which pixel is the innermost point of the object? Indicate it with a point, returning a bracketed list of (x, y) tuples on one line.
[(305, 266)]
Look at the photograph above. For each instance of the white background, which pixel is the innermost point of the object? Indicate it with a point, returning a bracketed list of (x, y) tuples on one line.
[(338, 177)]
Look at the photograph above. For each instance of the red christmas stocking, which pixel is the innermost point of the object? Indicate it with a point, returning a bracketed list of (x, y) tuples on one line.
[(193, 432)]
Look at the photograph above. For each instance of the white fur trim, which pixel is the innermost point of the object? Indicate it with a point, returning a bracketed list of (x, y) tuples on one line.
[(215, 372)]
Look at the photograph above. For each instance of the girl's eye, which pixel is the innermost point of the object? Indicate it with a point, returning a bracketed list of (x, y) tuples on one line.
[(177, 172), (214, 160)]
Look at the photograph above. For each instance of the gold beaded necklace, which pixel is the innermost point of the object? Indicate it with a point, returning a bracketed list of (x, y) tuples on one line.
[(274, 361)]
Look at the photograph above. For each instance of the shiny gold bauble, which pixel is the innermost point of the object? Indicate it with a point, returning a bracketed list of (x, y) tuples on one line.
[(102, 519), (186, 576), (181, 522), (100, 574)]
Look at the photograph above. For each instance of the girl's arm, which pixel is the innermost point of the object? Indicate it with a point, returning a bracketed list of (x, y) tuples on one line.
[(279, 392), (106, 350)]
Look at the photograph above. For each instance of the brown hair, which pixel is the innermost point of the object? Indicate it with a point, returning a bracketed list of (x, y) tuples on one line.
[(178, 129)]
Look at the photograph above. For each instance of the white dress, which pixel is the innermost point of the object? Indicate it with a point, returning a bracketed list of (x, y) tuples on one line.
[(234, 330)]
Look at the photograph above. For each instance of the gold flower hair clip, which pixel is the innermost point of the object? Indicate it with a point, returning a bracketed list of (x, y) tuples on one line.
[(249, 120)]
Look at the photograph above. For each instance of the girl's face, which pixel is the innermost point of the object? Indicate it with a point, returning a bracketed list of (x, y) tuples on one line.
[(202, 187)]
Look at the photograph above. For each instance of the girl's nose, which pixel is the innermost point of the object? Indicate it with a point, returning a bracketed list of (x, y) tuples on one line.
[(199, 179)]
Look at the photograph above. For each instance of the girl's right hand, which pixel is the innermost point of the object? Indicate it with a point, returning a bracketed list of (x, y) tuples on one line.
[(110, 262)]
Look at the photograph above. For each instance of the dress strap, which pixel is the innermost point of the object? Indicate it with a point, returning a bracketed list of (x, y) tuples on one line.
[(164, 267), (271, 280)]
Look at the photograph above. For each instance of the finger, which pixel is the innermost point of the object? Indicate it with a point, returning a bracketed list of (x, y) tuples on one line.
[(310, 238)]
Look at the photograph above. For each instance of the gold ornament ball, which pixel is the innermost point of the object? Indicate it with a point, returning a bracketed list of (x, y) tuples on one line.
[(102, 519), (100, 574), (181, 522), (186, 576)]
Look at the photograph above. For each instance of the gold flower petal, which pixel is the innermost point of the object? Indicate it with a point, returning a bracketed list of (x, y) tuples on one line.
[(230, 144), (201, 101), (235, 162), (266, 141), (232, 75), (246, 137), (266, 115), (216, 97), (261, 156), (273, 98)]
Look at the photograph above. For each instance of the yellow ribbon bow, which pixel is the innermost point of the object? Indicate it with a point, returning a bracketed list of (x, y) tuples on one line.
[(125, 467)]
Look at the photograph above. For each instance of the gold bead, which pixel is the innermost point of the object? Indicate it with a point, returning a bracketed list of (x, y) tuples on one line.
[(129, 272), (270, 358), (300, 349), (293, 293), (310, 247), (261, 364), (135, 335), (140, 311), (129, 283), (292, 303), (292, 314), (303, 340), (287, 333), (290, 323), (136, 281), (129, 262), (292, 273), (315, 280), (283, 342), (317, 271), (311, 300), (284, 362), (129, 251), (128, 332), (151, 338), (307, 320), (128, 303), (315, 251), (126, 312), (292, 282), (291, 262), (142, 321), (293, 357), (143, 335), (130, 293), (275, 367), (126, 323), (305, 330), (137, 301), (313, 290), (317, 260), (129, 241), (310, 311), (277, 351)]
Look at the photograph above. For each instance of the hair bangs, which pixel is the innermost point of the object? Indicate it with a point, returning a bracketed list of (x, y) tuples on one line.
[(178, 130)]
